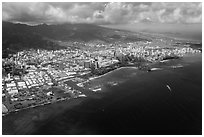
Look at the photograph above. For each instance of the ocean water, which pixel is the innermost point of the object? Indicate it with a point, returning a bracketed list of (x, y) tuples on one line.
[(167, 101)]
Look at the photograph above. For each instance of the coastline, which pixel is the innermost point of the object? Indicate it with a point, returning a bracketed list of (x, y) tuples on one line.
[(92, 78), (37, 114), (47, 103), (98, 88), (70, 100), (64, 109)]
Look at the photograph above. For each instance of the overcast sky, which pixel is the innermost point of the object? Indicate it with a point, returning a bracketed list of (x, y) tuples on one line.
[(103, 13)]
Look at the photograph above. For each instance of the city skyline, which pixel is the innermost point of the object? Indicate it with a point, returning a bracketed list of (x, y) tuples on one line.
[(102, 68)]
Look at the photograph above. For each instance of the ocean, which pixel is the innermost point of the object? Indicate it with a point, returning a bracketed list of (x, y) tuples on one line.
[(160, 102)]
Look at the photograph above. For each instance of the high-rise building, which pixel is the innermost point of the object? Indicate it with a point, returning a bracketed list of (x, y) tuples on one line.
[(96, 65), (9, 76), (100, 61), (38, 51)]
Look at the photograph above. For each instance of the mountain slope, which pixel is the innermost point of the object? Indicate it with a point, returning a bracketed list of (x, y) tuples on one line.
[(17, 37)]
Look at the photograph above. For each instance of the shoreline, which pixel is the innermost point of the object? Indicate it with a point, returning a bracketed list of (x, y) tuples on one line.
[(47, 103), (92, 78), (66, 99), (66, 110)]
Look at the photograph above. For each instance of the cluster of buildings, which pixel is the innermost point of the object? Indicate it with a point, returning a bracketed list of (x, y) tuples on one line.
[(58, 75), (155, 53), (32, 79), (42, 68), (37, 78), (11, 88)]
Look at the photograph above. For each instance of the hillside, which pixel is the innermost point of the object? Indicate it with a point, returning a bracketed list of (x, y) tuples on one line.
[(17, 37)]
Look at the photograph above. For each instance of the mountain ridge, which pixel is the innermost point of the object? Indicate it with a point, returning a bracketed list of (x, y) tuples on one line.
[(16, 37)]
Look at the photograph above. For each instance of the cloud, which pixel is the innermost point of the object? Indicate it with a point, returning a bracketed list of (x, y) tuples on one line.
[(102, 13)]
